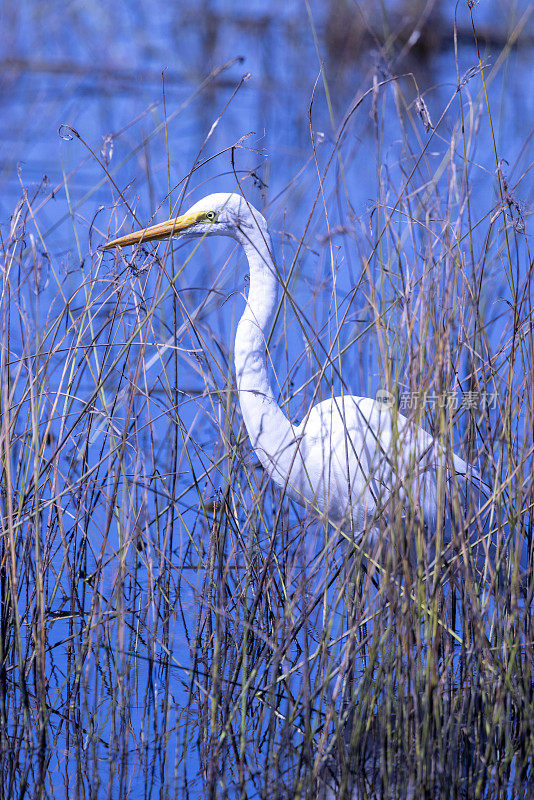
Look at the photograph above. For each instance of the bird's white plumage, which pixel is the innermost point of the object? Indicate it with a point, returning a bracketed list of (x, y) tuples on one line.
[(349, 455), (340, 459)]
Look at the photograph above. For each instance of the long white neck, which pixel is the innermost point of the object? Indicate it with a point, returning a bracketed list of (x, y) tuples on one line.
[(270, 431)]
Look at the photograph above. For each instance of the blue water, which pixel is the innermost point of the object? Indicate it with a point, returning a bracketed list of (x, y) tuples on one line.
[(102, 69)]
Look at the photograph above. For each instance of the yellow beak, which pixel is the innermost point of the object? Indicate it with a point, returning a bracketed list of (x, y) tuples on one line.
[(162, 231)]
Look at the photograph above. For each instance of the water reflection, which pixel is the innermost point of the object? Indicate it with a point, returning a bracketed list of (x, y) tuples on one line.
[(146, 593)]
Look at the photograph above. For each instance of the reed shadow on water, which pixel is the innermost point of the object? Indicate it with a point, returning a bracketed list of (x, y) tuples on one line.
[(174, 623)]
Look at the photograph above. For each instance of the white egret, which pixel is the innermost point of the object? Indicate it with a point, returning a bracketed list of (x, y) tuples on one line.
[(349, 453)]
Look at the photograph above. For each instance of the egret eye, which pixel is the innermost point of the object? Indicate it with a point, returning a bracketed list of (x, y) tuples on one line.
[(211, 215)]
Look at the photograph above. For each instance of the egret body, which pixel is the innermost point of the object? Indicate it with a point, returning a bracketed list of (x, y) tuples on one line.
[(349, 453)]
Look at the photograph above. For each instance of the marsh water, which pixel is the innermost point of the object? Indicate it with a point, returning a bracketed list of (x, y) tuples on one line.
[(110, 113)]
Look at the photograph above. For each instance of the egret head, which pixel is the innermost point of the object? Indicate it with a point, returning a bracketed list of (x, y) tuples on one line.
[(219, 214)]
